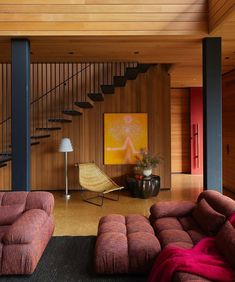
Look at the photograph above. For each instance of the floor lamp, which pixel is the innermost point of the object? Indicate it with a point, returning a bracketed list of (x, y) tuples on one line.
[(65, 147)]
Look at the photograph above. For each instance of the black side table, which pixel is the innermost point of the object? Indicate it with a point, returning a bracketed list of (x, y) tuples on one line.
[(145, 187)]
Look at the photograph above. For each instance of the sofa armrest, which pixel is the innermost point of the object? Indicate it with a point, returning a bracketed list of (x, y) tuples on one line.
[(26, 227), (171, 209), (40, 200)]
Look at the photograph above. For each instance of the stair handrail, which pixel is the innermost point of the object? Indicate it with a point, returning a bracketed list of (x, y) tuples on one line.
[(57, 86), (51, 90)]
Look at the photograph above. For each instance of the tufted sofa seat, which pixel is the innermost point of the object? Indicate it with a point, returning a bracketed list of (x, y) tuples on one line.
[(131, 243), (26, 226), (125, 244), (185, 223)]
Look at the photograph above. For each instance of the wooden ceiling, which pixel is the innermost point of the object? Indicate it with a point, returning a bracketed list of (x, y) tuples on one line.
[(150, 31)]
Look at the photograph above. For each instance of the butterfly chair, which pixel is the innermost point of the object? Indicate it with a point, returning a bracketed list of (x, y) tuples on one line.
[(93, 179)]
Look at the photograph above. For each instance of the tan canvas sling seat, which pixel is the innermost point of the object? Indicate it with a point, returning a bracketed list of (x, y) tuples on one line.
[(93, 179)]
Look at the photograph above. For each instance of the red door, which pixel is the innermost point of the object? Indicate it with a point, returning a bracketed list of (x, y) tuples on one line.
[(196, 129)]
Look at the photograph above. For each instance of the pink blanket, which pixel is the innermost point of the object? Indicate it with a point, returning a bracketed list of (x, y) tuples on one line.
[(203, 260)]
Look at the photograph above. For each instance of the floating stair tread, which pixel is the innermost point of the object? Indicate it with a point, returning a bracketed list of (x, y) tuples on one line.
[(4, 159), (62, 120), (119, 81), (72, 113), (131, 73), (40, 136), (31, 143), (48, 128), (143, 67), (7, 153), (3, 164), (96, 97), (84, 104), (34, 143), (108, 88)]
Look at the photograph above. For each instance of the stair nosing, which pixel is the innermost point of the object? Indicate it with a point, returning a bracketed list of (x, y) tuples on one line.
[(90, 103)]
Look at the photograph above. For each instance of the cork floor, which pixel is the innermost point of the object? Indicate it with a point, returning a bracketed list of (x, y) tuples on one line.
[(76, 217)]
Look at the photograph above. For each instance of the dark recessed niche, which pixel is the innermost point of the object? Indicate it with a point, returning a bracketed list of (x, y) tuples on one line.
[(31, 53), (136, 52), (70, 53), (226, 58)]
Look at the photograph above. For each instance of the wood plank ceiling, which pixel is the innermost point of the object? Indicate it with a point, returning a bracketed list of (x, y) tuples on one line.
[(222, 23), (150, 31)]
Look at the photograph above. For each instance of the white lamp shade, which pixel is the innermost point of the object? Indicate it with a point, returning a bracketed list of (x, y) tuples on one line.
[(65, 145)]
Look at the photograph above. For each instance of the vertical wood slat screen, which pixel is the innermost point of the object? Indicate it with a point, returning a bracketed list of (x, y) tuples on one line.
[(148, 93), (5, 104)]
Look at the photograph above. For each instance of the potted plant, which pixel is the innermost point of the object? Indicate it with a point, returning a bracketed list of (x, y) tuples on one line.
[(146, 162)]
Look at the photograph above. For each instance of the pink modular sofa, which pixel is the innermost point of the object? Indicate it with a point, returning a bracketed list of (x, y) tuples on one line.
[(26, 226), (131, 244)]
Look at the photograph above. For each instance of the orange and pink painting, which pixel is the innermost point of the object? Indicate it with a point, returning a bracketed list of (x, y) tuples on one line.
[(124, 136)]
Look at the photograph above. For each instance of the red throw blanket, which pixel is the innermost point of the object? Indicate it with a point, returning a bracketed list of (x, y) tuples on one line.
[(203, 260)]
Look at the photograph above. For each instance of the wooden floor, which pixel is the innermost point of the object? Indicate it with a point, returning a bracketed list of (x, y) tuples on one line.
[(76, 217)]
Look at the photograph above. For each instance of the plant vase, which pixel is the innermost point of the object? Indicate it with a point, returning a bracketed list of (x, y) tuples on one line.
[(147, 172)]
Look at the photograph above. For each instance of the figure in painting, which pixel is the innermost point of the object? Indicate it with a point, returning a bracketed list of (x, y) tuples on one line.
[(125, 135)]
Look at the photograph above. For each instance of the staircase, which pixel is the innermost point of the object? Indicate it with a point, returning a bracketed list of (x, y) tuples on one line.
[(60, 91)]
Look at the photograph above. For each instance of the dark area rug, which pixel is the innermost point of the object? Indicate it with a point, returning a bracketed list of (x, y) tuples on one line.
[(69, 259)]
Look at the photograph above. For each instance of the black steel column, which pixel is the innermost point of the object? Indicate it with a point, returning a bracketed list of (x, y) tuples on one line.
[(20, 124), (212, 111)]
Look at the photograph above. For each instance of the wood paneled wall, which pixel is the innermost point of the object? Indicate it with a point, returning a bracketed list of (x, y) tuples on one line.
[(180, 130), (228, 131), (149, 93), (219, 10), (5, 123), (106, 17)]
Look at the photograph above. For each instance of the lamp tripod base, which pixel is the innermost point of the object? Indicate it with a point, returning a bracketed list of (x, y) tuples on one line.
[(67, 196)]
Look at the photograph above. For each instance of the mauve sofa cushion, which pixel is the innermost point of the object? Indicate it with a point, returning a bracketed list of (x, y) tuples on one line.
[(9, 214), (136, 218), (112, 217), (225, 242), (117, 251), (3, 230), (139, 227), (40, 200), (172, 236), (138, 223), (13, 198), (23, 258), (24, 230), (218, 202), (112, 226), (142, 248), (182, 245), (171, 209), (184, 277), (188, 223), (111, 253), (196, 235), (166, 223), (209, 220)]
